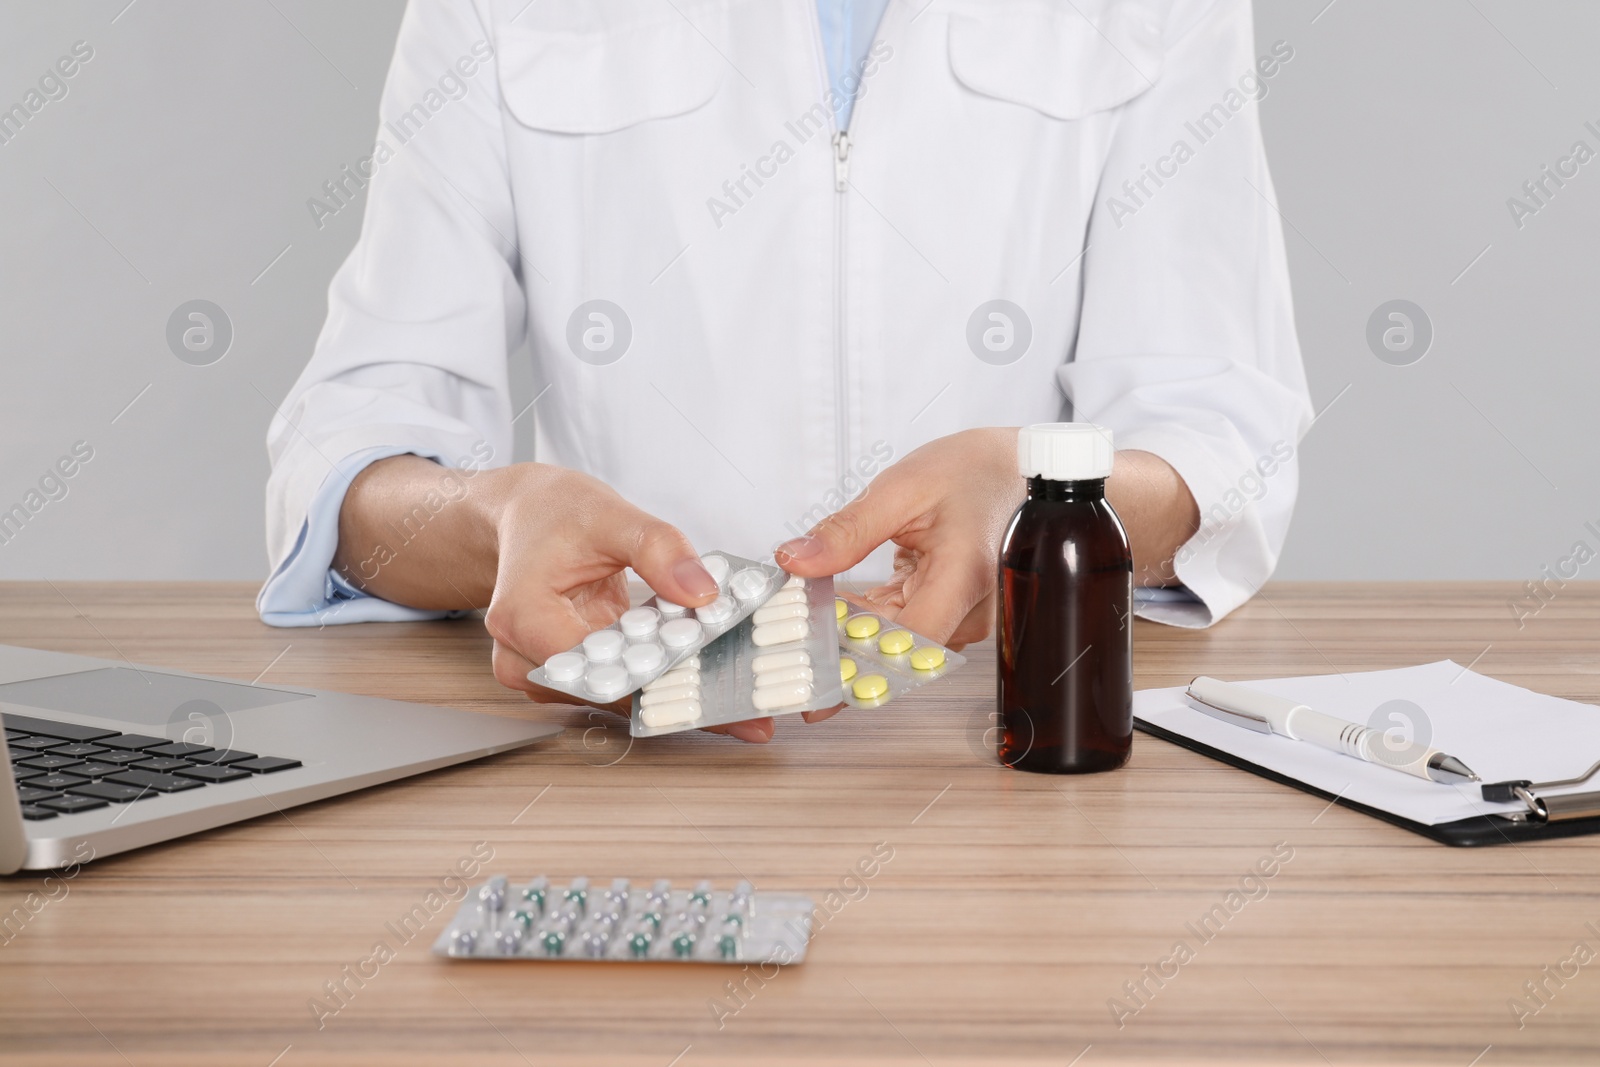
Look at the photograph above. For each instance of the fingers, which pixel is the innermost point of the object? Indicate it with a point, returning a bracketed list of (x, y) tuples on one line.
[(553, 590), (978, 625), (531, 622), (888, 507), (755, 731), (660, 554), (944, 593), (511, 670), (821, 714)]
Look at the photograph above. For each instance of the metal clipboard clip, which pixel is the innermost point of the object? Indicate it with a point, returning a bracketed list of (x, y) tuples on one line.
[(1542, 809)]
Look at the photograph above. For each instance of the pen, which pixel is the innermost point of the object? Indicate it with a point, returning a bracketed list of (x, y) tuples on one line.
[(1268, 714)]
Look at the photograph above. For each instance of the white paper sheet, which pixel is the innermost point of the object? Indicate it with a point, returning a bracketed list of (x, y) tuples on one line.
[(1501, 731)]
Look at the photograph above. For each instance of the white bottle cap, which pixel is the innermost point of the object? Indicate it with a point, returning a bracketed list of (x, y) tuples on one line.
[(1064, 451)]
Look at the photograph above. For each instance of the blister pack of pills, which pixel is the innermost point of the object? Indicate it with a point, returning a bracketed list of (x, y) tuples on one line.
[(652, 639), (879, 660), (537, 920), (776, 662)]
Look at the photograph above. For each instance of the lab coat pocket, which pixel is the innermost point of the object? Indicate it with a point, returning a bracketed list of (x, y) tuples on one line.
[(600, 79), (1064, 61)]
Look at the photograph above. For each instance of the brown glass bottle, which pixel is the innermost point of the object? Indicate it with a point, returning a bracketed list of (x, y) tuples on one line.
[(1065, 632)]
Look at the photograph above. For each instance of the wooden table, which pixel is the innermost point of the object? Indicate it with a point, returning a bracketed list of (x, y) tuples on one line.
[(1013, 910)]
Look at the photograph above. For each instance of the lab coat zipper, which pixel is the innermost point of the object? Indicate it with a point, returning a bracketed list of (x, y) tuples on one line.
[(841, 181), (841, 186)]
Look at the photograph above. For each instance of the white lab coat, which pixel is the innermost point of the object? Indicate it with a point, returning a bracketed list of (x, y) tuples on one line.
[(787, 335)]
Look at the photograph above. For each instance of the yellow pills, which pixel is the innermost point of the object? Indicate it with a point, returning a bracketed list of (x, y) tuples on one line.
[(862, 626), (927, 658), (847, 669), (895, 642), (840, 610), (870, 686)]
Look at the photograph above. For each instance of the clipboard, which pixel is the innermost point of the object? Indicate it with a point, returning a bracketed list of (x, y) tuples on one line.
[(1564, 815), (1505, 732)]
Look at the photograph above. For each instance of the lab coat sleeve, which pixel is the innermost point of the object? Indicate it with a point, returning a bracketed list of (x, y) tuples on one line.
[(1187, 345), (421, 316)]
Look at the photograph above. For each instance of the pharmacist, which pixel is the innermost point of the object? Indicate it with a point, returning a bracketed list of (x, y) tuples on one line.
[(761, 255)]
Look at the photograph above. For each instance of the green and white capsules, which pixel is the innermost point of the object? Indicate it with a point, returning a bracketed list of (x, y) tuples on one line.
[(536, 920)]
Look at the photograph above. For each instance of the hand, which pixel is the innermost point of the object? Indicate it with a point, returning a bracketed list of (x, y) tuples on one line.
[(946, 507), (544, 548)]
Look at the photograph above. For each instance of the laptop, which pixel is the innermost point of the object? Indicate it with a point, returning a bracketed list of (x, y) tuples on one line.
[(108, 756)]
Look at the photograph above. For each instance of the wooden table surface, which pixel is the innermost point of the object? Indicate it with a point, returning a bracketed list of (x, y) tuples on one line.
[(1013, 910)]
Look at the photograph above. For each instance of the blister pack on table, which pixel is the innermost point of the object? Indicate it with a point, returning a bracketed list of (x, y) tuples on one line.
[(654, 638), (778, 661), (539, 920), (879, 660)]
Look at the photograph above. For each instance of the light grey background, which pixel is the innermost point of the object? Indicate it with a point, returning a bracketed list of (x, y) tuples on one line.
[(179, 165)]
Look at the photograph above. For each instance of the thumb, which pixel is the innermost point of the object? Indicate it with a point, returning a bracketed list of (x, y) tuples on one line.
[(850, 534), (661, 555)]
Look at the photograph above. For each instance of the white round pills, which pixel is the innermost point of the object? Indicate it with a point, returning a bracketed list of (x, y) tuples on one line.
[(718, 611), (608, 681), (603, 646), (669, 610), (640, 622), (717, 567), (750, 583), (644, 658), (680, 633), (564, 667)]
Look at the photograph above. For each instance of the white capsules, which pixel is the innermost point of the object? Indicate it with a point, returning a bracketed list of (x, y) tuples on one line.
[(672, 699), (782, 679), (673, 714), (782, 660), (656, 693), (771, 661), (782, 695), (780, 633), (799, 672), (780, 612)]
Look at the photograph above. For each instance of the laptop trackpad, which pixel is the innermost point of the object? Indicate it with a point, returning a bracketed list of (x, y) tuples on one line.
[(145, 697)]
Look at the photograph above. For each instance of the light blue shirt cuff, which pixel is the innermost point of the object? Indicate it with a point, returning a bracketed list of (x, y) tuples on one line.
[(1172, 606), (305, 590)]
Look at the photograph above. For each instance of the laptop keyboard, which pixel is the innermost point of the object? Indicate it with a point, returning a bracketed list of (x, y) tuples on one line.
[(65, 767)]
